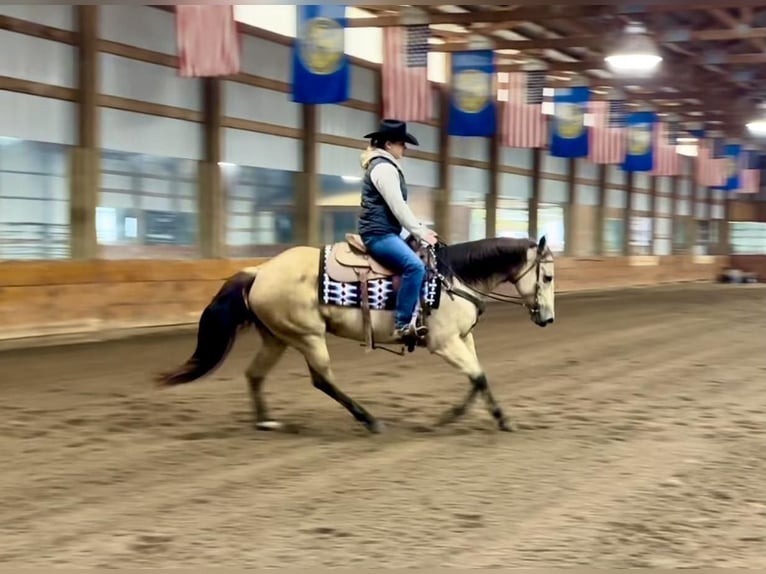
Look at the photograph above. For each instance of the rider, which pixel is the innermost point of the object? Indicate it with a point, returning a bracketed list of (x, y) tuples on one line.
[(385, 212)]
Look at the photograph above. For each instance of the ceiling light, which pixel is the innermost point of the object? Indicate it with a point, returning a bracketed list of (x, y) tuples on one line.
[(636, 54), (757, 127)]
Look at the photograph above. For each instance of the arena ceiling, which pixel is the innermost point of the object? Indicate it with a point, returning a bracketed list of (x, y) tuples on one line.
[(713, 51)]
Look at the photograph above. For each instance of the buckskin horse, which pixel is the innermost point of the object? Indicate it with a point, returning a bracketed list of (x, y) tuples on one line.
[(299, 296)]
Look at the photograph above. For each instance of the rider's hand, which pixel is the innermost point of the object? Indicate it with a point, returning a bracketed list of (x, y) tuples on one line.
[(430, 237)]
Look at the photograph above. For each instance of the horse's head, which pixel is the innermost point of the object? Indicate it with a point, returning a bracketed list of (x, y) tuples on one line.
[(535, 283)]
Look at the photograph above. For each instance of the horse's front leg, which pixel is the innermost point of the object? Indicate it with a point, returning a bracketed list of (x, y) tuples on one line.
[(460, 352)]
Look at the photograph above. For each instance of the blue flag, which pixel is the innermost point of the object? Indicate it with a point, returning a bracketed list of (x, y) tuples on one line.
[(733, 155), (321, 70), (472, 98), (639, 154), (569, 136)]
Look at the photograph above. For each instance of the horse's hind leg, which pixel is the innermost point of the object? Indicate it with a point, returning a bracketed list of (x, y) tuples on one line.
[(461, 354), (314, 349), (264, 361)]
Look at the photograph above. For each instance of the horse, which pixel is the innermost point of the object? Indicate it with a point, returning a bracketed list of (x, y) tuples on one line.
[(304, 293)]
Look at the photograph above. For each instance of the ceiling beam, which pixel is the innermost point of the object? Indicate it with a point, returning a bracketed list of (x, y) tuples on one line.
[(526, 13), (598, 63), (593, 41), (726, 19), (530, 11)]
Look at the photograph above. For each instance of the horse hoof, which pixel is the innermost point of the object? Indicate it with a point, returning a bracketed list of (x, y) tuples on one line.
[(505, 426), (375, 426), (269, 425), (451, 415)]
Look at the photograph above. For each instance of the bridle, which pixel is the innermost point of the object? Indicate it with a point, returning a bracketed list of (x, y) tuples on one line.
[(520, 299)]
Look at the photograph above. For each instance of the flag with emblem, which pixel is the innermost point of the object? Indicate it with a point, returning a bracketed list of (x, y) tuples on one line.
[(639, 155), (667, 161), (524, 124), (608, 135), (472, 111), (407, 94), (569, 136), (207, 40), (750, 180), (321, 70), (731, 159)]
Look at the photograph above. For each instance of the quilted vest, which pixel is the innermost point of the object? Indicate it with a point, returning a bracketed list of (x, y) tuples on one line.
[(376, 217)]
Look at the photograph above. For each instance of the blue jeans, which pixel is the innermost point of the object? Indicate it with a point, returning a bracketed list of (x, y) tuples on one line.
[(392, 252)]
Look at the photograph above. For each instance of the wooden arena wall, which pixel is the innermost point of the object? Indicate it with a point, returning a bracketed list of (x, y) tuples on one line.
[(127, 193)]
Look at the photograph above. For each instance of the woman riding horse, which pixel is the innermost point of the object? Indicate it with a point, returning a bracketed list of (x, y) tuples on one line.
[(385, 213)]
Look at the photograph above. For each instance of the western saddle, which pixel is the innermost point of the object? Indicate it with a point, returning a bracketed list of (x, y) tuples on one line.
[(350, 262)]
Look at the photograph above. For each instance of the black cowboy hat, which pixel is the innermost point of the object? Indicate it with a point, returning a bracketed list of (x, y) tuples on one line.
[(395, 131)]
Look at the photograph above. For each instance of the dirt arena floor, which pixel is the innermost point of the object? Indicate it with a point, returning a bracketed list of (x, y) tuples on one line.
[(641, 442)]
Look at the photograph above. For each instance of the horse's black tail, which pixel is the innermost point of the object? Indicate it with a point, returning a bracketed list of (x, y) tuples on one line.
[(217, 330)]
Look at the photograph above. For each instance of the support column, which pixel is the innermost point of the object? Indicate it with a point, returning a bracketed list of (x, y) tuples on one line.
[(494, 186), (534, 197), (307, 185), (601, 210), (444, 193), (572, 216), (653, 213), (85, 159), (674, 218), (212, 193), (627, 213)]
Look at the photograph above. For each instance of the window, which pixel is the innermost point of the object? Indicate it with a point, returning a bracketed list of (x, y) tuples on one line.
[(34, 200), (260, 215), (147, 207), (748, 237)]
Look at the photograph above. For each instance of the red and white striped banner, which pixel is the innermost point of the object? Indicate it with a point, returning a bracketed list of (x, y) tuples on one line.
[(667, 161), (207, 40), (524, 125), (608, 142), (708, 171), (407, 94), (750, 181)]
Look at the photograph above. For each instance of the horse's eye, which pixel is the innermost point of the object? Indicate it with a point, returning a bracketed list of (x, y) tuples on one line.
[(548, 278)]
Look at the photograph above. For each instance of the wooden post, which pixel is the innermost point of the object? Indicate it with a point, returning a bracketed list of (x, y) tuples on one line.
[(307, 209), (85, 159), (572, 215), (444, 193), (212, 194), (534, 198), (601, 210), (653, 213), (627, 213), (494, 186)]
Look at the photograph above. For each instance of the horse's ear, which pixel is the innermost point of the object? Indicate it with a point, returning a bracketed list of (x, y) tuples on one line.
[(541, 245)]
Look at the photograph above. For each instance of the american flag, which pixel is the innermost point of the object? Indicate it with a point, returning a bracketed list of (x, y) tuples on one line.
[(718, 148), (750, 177), (207, 40), (667, 161), (608, 136), (524, 124), (708, 171), (407, 94)]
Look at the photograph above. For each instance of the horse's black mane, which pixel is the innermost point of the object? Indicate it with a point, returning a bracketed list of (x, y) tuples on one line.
[(475, 261)]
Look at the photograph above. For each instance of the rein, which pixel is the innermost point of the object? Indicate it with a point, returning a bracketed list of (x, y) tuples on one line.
[(500, 297)]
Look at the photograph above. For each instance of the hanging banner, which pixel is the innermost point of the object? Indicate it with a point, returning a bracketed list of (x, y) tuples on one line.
[(733, 156), (321, 70), (569, 135), (639, 154), (472, 96), (719, 147)]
